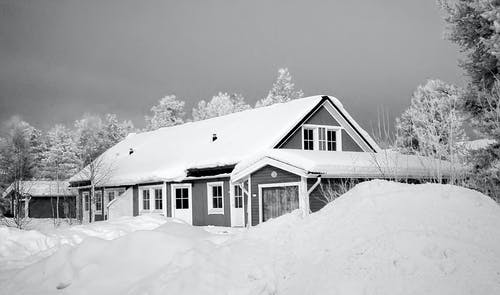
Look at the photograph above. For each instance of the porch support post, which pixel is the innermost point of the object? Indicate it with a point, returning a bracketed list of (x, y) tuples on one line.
[(303, 197)]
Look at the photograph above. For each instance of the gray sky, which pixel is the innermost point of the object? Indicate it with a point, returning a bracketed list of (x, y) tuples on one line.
[(61, 58)]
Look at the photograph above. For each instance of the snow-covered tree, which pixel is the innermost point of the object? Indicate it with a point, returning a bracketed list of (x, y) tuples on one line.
[(221, 104), (114, 130), (61, 158), (168, 112), (18, 153), (433, 124), (474, 25), (283, 90)]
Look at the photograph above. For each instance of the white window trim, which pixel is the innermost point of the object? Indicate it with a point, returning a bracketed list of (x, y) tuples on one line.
[(152, 207), (268, 185), (86, 193), (97, 211), (210, 209), (338, 136), (175, 186)]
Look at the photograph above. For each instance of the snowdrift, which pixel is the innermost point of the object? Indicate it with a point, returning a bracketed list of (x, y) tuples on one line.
[(21, 247), (379, 238)]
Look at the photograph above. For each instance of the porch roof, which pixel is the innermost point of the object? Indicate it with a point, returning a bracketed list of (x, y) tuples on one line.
[(385, 164)]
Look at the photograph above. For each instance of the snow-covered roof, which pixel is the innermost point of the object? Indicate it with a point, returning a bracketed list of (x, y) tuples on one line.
[(41, 188), (347, 164), (165, 154)]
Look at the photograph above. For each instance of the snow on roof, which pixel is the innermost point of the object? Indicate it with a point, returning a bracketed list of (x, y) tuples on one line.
[(349, 164), (41, 188), (166, 153)]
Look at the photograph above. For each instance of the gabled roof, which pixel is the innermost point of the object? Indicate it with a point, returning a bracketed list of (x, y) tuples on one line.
[(386, 164), (166, 154), (41, 188)]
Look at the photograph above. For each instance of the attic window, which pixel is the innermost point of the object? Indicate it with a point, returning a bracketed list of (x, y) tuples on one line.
[(321, 138)]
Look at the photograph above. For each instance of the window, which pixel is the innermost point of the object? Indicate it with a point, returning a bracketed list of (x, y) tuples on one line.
[(98, 201), (215, 198), (111, 196), (182, 198), (158, 199), (331, 140), (308, 139), (321, 138), (238, 197), (86, 201), (145, 199)]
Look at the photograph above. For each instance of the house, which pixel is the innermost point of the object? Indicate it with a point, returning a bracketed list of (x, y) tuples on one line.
[(243, 168), (41, 199)]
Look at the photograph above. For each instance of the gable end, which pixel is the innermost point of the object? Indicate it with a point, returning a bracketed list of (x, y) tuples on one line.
[(322, 114)]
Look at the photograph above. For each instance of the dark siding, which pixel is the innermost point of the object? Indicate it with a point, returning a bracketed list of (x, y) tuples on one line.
[(348, 144), (295, 141), (169, 200), (322, 117), (135, 200), (263, 176), (45, 207), (200, 207), (316, 199)]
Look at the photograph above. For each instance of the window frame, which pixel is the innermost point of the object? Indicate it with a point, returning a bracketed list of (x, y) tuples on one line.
[(98, 193), (156, 200), (304, 128), (152, 198), (174, 196), (316, 137), (238, 199), (86, 201), (210, 209)]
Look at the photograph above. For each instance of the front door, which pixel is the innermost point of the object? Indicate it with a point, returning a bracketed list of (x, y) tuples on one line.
[(181, 202), (237, 210), (277, 201)]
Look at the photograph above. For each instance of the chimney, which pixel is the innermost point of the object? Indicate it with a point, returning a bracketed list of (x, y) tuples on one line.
[(214, 137), (131, 151)]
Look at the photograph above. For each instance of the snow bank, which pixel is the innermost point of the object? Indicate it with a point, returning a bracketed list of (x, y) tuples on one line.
[(21, 247), (379, 238)]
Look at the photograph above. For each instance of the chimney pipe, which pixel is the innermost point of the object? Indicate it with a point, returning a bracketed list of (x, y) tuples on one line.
[(214, 137)]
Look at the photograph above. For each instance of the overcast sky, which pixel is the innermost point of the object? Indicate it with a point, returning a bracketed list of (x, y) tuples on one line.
[(62, 58)]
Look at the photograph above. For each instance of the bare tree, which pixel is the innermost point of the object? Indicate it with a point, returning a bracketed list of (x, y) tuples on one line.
[(20, 199), (332, 189)]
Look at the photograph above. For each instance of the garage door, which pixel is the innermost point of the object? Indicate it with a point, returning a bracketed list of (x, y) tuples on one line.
[(277, 201)]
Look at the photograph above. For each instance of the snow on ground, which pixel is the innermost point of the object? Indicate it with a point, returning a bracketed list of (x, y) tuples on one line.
[(379, 238), (21, 247)]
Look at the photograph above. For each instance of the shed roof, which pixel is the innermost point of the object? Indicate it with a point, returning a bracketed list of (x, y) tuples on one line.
[(41, 188)]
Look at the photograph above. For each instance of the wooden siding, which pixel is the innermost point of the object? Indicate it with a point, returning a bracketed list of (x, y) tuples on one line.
[(169, 200), (348, 144), (263, 176), (200, 203), (135, 200), (321, 117)]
